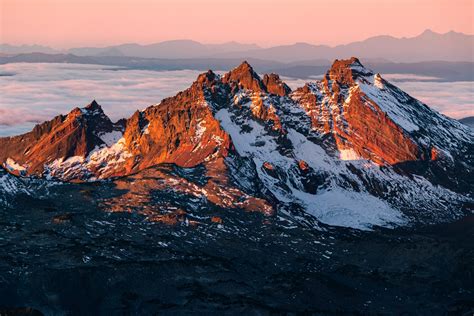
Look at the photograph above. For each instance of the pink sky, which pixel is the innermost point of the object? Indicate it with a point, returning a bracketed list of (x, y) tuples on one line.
[(69, 23)]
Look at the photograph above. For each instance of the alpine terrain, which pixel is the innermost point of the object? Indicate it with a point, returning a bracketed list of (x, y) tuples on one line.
[(350, 150), (344, 196)]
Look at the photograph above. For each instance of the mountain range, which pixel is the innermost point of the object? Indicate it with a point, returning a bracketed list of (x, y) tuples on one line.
[(349, 150), (428, 46)]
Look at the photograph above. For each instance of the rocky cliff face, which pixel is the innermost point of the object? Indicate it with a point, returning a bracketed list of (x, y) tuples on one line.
[(72, 135), (339, 107), (351, 149)]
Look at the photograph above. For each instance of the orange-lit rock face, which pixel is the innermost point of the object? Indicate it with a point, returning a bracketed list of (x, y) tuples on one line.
[(245, 77), (265, 112), (434, 154), (216, 219), (354, 120), (268, 165), (181, 130), (311, 101), (373, 135), (303, 165), (171, 218), (62, 137), (437, 154), (274, 85), (222, 193), (342, 72)]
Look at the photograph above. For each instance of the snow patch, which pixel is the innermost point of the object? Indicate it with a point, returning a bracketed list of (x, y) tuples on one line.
[(12, 165), (111, 138), (335, 206), (348, 154), (200, 129), (378, 82), (353, 209), (146, 129), (106, 157), (102, 159), (7, 185)]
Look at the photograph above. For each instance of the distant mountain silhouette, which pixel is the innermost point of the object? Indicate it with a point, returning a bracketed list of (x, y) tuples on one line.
[(469, 121), (25, 49), (428, 46), (168, 49)]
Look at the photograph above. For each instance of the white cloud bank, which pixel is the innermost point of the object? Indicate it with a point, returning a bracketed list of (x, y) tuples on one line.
[(454, 99), (33, 93)]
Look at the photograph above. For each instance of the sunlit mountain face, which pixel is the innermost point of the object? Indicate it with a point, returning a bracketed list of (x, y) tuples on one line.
[(239, 193)]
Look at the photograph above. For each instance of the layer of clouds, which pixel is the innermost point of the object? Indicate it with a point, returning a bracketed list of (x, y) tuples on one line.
[(33, 93), (454, 99), (409, 77)]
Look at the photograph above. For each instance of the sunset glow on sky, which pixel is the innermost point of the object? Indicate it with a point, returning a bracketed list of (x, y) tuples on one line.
[(69, 23)]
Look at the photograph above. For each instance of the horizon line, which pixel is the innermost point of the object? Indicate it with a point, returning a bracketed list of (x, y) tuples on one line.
[(260, 46)]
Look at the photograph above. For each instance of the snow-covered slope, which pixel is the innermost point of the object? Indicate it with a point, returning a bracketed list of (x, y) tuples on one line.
[(354, 150), (302, 164), (10, 187)]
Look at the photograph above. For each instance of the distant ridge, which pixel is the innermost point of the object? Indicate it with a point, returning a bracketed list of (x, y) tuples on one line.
[(469, 121), (428, 46)]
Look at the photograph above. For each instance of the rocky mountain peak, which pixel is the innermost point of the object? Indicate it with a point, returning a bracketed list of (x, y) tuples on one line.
[(207, 78), (345, 71), (245, 77), (91, 111), (93, 106), (275, 85), (244, 66)]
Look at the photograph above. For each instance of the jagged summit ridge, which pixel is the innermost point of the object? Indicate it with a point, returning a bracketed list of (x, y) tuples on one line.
[(344, 72), (334, 105), (245, 76), (335, 148), (93, 107)]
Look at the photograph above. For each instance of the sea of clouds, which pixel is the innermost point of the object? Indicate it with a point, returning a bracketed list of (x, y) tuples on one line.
[(33, 93), (454, 99), (36, 92)]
